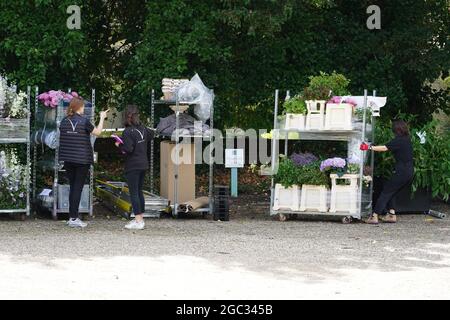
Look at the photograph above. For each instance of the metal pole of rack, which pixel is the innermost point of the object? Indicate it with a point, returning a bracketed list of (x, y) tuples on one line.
[(36, 92), (372, 154), (211, 160), (361, 167), (91, 176), (28, 148), (177, 150), (274, 141), (152, 143)]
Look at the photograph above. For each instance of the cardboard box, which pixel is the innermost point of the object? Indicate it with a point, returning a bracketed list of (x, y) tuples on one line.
[(186, 172)]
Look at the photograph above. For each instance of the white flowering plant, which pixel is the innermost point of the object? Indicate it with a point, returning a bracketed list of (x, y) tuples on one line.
[(13, 103), (13, 181)]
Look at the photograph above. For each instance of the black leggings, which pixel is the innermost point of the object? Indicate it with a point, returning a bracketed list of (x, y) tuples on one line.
[(135, 181), (76, 173), (386, 200)]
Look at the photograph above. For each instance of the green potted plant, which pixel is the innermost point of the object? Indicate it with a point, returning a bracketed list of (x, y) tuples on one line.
[(295, 110), (287, 190), (319, 90)]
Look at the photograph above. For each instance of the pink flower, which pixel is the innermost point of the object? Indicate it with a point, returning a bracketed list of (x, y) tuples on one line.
[(75, 94)]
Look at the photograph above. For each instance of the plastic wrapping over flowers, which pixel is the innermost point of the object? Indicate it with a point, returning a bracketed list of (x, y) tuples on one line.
[(195, 92)]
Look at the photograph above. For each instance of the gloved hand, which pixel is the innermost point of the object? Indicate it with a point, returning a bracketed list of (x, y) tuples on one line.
[(364, 146)]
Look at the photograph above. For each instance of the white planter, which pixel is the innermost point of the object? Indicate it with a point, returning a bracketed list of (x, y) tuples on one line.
[(286, 198), (344, 198), (313, 198), (295, 121), (338, 116), (316, 114)]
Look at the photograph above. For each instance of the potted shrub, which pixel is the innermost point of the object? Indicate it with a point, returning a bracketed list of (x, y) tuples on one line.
[(287, 191), (295, 109), (319, 90), (314, 187)]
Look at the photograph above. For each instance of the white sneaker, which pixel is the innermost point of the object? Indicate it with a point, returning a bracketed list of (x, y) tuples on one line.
[(134, 225), (76, 223)]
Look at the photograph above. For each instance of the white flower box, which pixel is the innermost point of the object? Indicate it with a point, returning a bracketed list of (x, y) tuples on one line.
[(344, 198), (338, 116), (313, 198), (316, 114), (286, 198), (295, 121)]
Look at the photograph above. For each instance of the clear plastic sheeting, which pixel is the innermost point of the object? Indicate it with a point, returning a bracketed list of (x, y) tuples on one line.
[(196, 93), (374, 103), (47, 137)]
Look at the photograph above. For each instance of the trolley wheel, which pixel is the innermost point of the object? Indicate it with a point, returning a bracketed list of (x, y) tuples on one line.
[(347, 220), (282, 217)]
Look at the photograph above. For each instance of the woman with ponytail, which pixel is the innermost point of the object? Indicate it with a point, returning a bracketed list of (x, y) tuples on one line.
[(136, 138), (75, 150)]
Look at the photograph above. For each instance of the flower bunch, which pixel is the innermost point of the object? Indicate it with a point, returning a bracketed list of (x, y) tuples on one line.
[(353, 165), (338, 99), (303, 159), (13, 183), (335, 164), (51, 98), (13, 104)]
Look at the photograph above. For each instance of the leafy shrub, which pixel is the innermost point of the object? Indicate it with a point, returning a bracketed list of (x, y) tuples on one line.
[(322, 86)]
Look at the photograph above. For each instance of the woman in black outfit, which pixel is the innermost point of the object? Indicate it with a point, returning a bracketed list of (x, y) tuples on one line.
[(402, 149), (136, 138), (75, 150)]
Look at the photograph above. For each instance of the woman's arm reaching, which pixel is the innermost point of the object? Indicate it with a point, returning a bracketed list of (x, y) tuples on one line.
[(98, 130), (378, 148)]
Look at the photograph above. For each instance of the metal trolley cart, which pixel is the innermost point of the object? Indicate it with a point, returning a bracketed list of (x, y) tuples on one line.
[(47, 120), (363, 130), (176, 138), (17, 131)]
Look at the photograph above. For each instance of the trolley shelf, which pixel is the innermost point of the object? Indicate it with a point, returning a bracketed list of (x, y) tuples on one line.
[(14, 211), (169, 102), (13, 140), (314, 213)]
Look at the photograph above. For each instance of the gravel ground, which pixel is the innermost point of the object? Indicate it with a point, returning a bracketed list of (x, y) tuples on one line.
[(250, 257)]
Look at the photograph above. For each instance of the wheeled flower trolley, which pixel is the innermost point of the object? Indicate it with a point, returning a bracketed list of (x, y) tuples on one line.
[(350, 195)]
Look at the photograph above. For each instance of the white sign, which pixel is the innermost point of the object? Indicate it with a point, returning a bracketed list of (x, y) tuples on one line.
[(45, 192), (234, 158)]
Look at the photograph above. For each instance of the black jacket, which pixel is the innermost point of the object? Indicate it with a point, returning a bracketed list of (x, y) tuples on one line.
[(135, 145), (75, 140)]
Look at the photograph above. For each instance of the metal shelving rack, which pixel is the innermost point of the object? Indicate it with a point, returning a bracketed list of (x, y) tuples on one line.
[(25, 138), (365, 133), (57, 167), (176, 139)]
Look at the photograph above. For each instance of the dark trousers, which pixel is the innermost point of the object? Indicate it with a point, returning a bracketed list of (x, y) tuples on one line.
[(135, 181), (76, 173), (386, 200)]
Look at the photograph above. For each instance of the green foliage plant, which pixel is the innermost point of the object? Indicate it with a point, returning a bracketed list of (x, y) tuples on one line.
[(295, 105)]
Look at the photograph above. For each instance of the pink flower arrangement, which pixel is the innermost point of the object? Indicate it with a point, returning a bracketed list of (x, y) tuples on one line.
[(337, 99), (51, 99)]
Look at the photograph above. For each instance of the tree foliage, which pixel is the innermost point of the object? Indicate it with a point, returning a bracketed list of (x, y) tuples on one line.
[(243, 49)]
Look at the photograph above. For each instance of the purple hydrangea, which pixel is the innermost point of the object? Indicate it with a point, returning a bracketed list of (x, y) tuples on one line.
[(303, 159), (336, 163)]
